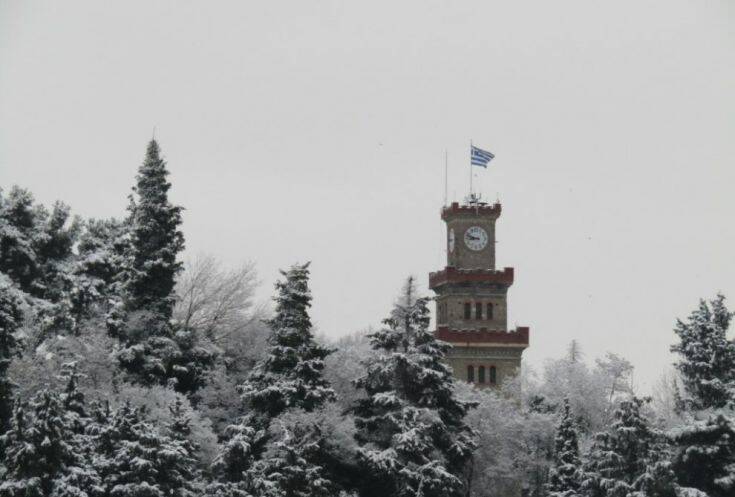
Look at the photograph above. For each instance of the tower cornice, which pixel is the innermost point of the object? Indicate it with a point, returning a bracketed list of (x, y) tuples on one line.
[(451, 274), (466, 210), (517, 337)]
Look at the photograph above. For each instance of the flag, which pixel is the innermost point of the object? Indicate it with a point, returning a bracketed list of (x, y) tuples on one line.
[(480, 157)]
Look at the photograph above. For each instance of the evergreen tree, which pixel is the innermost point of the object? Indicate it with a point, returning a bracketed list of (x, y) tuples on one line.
[(706, 357), (36, 253), (565, 474), (705, 459), (291, 376), (243, 442), (135, 460), (154, 351), (72, 398), (411, 427), (10, 319), (705, 452), (98, 272), (41, 457), (35, 244), (156, 240), (618, 458), (289, 468)]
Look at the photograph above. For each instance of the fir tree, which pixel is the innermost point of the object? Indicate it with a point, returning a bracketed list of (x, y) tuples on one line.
[(618, 458), (72, 398), (156, 240), (10, 320), (706, 357), (98, 271), (705, 452), (179, 430), (41, 457), (155, 350), (243, 442), (289, 469), (411, 427), (565, 474), (291, 376), (134, 459), (705, 459)]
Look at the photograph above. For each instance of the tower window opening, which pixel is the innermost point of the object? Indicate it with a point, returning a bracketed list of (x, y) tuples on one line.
[(493, 375), (478, 310), (467, 310), (481, 374), (470, 374), (489, 310)]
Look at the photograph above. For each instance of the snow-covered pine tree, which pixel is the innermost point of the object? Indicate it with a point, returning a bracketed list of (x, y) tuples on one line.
[(42, 458), (291, 376), (289, 469), (243, 442), (705, 445), (705, 459), (36, 253), (154, 350), (72, 398), (564, 475), (35, 244), (156, 240), (706, 356), (10, 320), (410, 425), (620, 456), (134, 459), (179, 430), (98, 270)]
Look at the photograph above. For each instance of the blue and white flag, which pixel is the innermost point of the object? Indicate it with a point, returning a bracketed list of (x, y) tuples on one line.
[(480, 157)]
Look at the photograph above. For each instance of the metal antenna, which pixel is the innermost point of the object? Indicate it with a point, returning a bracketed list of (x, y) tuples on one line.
[(446, 175)]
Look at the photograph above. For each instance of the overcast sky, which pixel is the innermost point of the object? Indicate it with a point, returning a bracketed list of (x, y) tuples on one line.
[(300, 131)]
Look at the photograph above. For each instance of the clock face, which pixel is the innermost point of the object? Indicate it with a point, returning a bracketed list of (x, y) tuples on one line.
[(451, 240), (475, 238)]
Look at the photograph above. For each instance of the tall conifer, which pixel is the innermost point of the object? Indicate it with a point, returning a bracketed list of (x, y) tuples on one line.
[(410, 425), (706, 356), (42, 456), (156, 239), (565, 473), (619, 457), (291, 376), (10, 320)]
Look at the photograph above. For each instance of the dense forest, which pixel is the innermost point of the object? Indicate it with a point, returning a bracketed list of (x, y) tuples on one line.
[(125, 372)]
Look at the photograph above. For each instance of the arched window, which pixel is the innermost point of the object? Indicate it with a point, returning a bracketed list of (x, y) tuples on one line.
[(489, 310), (478, 310), (481, 374), (470, 374), (467, 310), (493, 375)]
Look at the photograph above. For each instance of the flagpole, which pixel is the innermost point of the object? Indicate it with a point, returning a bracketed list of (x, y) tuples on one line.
[(470, 170), (446, 175)]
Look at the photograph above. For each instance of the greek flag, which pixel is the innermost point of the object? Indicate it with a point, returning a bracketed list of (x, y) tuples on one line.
[(480, 157)]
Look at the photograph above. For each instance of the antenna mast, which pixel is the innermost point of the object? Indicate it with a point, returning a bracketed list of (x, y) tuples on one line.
[(446, 175)]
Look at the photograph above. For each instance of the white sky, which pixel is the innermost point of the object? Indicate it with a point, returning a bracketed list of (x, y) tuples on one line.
[(316, 131)]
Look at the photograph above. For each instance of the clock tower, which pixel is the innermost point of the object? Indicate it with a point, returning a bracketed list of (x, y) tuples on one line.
[(472, 298)]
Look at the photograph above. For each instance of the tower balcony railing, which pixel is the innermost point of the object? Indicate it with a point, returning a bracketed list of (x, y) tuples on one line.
[(454, 275), (519, 336), (456, 208)]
